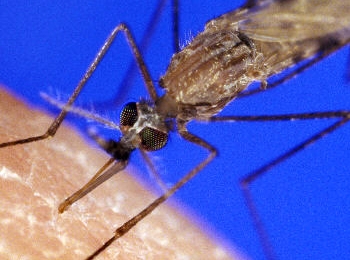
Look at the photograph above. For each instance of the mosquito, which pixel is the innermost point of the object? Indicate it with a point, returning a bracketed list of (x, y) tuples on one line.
[(250, 44)]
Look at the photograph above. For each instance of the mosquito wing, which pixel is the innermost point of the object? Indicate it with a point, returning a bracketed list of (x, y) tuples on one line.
[(288, 31), (295, 20)]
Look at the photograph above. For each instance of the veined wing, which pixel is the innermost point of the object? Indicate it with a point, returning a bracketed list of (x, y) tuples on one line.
[(295, 20), (288, 31)]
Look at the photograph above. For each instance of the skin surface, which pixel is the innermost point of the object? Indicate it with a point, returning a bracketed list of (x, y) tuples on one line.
[(36, 177)]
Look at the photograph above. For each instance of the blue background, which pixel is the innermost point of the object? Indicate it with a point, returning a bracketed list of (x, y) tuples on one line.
[(304, 202)]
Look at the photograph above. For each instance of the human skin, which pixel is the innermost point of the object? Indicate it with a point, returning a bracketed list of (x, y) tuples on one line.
[(36, 177)]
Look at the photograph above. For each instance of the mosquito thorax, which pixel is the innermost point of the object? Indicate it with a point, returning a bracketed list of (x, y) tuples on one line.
[(167, 106)]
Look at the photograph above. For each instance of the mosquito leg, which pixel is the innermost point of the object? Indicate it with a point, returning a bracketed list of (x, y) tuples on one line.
[(130, 74), (133, 221), (284, 117), (343, 116), (58, 120), (175, 12), (251, 177), (154, 171)]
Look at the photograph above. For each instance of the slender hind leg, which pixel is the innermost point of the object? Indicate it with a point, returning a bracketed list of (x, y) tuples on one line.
[(254, 175)]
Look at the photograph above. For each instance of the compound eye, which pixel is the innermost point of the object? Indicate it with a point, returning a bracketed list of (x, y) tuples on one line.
[(153, 139), (128, 116)]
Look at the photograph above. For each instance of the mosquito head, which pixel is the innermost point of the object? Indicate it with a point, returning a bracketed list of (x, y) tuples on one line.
[(141, 126)]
